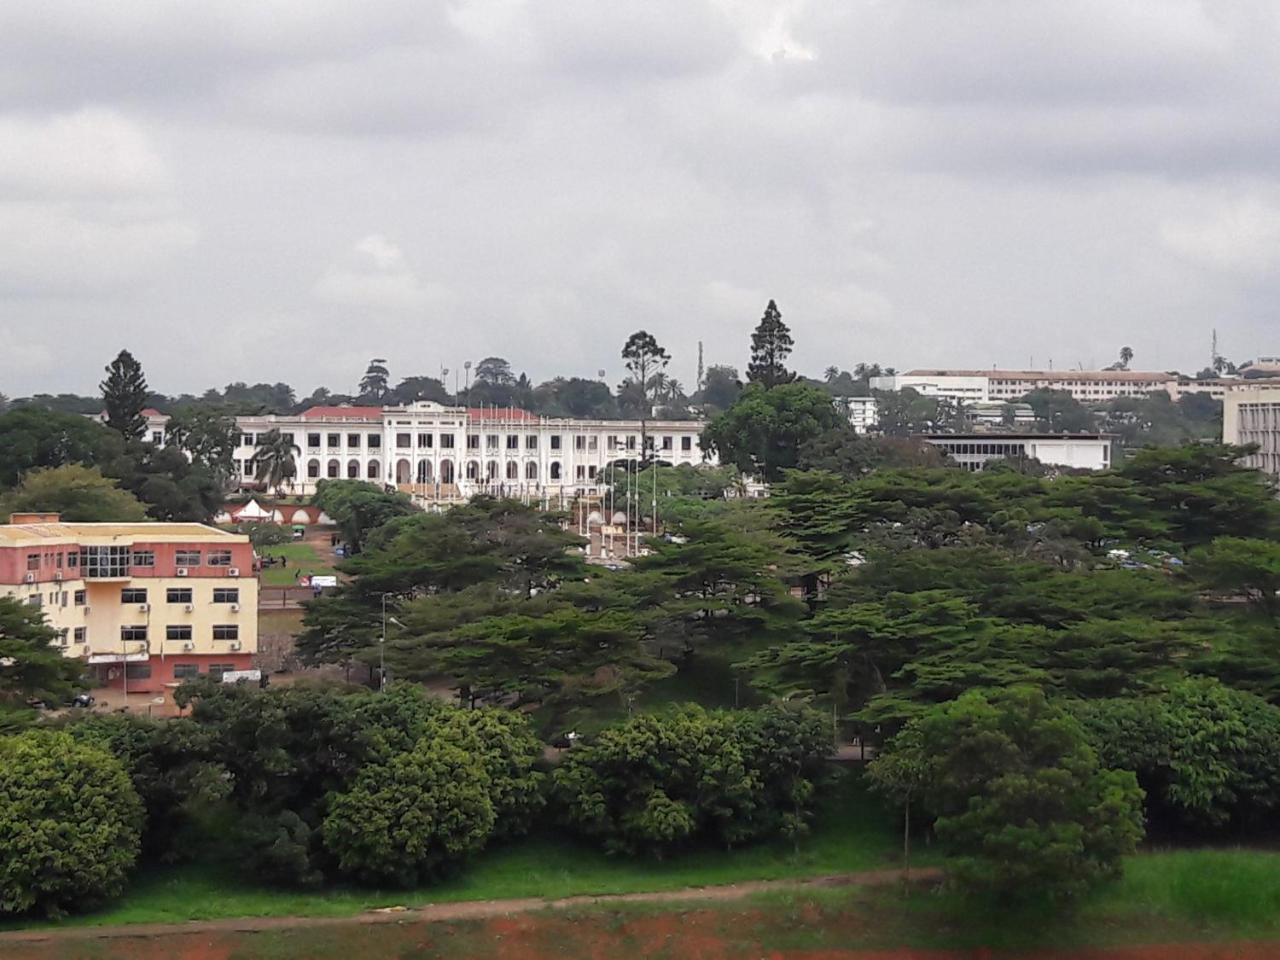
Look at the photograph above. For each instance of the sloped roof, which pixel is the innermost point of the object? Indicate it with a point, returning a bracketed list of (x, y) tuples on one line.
[(342, 413)]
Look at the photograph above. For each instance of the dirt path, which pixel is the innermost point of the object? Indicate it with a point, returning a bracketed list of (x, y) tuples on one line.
[(463, 910)]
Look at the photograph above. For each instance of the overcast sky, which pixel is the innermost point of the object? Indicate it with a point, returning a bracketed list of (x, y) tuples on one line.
[(280, 191)]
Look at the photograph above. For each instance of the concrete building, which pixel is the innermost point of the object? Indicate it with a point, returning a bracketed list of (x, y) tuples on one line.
[(147, 605), (861, 412), (443, 454), (1081, 451), (1251, 414), (976, 386)]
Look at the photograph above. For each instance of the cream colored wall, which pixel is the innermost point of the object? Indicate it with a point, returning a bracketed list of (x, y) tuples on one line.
[(103, 614)]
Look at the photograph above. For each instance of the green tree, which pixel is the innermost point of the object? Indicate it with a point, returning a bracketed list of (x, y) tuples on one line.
[(274, 460), (373, 385), (31, 437), (1126, 354), (172, 487), (208, 436), (358, 508), (763, 432), (644, 359), (31, 667), (124, 393), (770, 346), (70, 823), (720, 388), (509, 751), (412, 389), (1019, 796), (407, 819), (1058, 411), (1239, 566), (80, 494)]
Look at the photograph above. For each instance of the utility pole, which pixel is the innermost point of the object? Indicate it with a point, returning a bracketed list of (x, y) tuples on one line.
[(382, 649), (701, 371)]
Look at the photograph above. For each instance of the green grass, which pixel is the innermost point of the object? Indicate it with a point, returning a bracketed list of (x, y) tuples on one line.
[(302, 557), (852, 832)]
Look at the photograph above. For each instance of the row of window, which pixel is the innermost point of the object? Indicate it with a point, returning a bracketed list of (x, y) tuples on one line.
[(172, 595), (492, 441), (111, 561), (137, 633), (181, 671)]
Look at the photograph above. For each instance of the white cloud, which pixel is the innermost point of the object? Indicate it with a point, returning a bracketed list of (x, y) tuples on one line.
[(1239, 236), (377, 277), (92, 152)]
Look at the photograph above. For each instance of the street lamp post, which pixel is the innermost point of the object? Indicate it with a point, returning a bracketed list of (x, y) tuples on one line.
[(382, 649)]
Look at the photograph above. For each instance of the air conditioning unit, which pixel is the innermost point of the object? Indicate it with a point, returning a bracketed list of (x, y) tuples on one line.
[(85, 608), (57, 574), (188, 645), (144, 608), (234, 645), (29, 578), (190, 607), (182, 571), (235, 608), (233, 571)]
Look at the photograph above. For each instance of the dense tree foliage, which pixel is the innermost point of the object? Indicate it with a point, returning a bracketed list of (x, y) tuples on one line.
[(70, 823), (32, 667), (771, 344), (359, 508), (79, 494), (32, 438), (124, 395), (764, 430)]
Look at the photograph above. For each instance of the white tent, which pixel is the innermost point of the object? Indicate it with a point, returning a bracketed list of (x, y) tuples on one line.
[(252, 511)]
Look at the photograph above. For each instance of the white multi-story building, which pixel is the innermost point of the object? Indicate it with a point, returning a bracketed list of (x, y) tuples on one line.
[(1081, 451), (440, 453), (861, 412), (1251, 415), (976, 386)]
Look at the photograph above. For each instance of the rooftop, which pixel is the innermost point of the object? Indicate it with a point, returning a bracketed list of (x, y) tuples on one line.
[(16, 533), (342, 413), (1133, 376), (987, 437)]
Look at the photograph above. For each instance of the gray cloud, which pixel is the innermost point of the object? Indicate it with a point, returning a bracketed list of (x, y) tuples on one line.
[(248, 191)]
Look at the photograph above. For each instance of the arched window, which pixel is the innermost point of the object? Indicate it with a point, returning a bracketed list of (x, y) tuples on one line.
[(331, 470), (353, 469), (491, 470), (404, 472), (473, 470), (555, 469), (373, 471), (513, 470), (424, 471), (446, 471), (313, 469), (531, 470)]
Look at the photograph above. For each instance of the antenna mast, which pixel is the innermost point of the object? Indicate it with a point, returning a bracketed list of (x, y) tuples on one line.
[(701, 371)]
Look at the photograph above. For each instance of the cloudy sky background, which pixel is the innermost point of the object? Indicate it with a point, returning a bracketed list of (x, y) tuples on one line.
[(280, 191)]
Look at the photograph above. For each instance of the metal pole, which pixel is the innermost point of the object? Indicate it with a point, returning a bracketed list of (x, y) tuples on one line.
[(382, 649)]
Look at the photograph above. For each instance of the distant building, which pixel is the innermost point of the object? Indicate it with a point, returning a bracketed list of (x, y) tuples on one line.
[(861, 412), (1086, 386), (997, 416), (973, 451), (147, 605), (437, 453), (1251, 414)]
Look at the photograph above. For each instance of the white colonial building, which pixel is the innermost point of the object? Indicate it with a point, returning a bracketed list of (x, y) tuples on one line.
[(438, 453), (1079, 451), (1251, 415), (981, 386)]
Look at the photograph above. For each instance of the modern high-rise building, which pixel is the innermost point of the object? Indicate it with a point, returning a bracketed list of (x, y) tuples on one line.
[(146, 605)]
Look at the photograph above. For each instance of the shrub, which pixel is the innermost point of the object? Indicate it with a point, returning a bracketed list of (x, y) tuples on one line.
[(1207, 755), (409, 818), (659, 782), (70, 824), (508, 750), (1019, 795)]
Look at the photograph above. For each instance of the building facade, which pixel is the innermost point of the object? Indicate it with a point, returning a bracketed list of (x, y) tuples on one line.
[(977, 386), (1080, 451), (861, 412), (146, 605), (1251, 415), (438, 453)]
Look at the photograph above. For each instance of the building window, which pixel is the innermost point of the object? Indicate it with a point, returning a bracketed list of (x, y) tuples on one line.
[(35, 600), (353, 440), (513, 441), (374, 441), (181, 631), (82, 634), (579, 472), (177, 595), (133, 634), (491, 441), (372, 470), (555, 470), (555, 441), (404, 440), (631, 443), (133, 595), (686, 444), (79, 598), (473, 441), (579, 442), (353, 469), (73, 559), (246, 440), (531, 442), (157, 437), (187, 558), (216, 670), (513, 470), (137, 671), (143, 558), (334, 440), (186, 671), (313, 441), (33, 561), (219, 558), (668, 443), (591, 472), (287, 438), (446, 441), (531, 470), (226, 595), (331, 471), (424, 440), (313, 469), (226, 631)]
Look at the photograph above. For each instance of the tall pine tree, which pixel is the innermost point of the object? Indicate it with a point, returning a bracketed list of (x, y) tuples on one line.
[(124, 393), (770, 346), (645, 359)]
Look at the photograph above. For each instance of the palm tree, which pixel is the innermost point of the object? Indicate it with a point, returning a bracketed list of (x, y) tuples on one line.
[(1126, 354), (830, 374), (274, 460)]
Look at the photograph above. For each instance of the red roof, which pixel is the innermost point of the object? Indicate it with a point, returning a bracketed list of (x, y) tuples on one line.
[(511, 414), (342, 413)]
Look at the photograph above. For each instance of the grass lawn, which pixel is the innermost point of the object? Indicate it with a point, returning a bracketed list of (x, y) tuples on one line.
[(302, 557), (854, 831)]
